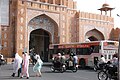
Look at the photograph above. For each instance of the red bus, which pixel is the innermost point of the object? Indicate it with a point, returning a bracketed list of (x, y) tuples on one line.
[(87, 52)]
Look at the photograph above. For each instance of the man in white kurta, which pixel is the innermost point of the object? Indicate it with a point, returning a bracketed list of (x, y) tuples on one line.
[(17, 64)]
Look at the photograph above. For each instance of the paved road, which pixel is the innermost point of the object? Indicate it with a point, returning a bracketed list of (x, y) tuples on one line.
[(6, 71)]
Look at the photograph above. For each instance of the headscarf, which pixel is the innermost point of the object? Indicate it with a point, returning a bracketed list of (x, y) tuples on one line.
[(26, 58), (38, 65), (17, 57), (39, 60)]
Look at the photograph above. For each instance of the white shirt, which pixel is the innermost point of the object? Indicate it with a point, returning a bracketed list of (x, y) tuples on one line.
[(102, 60), (75, 59), (36, 56), (115, 61)]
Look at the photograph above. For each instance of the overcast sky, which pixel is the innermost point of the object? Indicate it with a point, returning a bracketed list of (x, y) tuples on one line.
[(91, 6)]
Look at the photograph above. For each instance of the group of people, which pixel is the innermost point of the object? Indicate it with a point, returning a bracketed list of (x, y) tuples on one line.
[(62, 58), (114, 62), (21, 65)]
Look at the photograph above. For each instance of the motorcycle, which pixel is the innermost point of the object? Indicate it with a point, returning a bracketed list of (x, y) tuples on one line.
[(98, 67), (71, 66), (108, 72), (58, 66), (3, 62)]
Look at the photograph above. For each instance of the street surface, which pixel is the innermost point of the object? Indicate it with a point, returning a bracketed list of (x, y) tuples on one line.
[(88, 74)]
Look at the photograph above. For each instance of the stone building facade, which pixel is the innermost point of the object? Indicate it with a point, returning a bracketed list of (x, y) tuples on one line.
[(38, 23), (114, 35)]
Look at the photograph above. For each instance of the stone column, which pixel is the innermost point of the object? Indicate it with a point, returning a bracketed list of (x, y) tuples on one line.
[(61, 2), (110, 13), (53, 1), (105, 12), (101, 12), (46, 1), (64, 2)]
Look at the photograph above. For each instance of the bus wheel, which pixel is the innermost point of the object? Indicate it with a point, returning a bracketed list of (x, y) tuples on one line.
[(82, 63)]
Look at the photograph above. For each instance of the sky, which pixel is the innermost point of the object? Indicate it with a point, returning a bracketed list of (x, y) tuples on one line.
[(92, 6)]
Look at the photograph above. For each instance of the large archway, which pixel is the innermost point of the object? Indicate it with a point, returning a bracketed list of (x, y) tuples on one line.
[(94, 35), (40, 40), (42, 31)]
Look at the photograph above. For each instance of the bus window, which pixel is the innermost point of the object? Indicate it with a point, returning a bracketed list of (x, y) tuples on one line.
[(51, 51), (110, 43), (105, 56), (67, 51), (83, 51), (86, 51), (109, 57), (79, 51), (100, 47), (94, 49), (73, 50)]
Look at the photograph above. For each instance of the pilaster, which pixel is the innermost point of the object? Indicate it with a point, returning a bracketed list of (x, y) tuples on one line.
[(46, 1), (53, 1)]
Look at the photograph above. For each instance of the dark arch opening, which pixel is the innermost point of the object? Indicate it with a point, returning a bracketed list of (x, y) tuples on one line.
[(92, 38), (40, 40), (94, 35)]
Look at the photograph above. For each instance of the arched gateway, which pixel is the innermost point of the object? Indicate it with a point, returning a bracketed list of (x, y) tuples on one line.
[(94, 35), (42, 32), (56, 19)]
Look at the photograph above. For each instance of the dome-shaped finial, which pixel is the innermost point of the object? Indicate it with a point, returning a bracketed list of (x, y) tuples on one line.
[(105, 5)]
